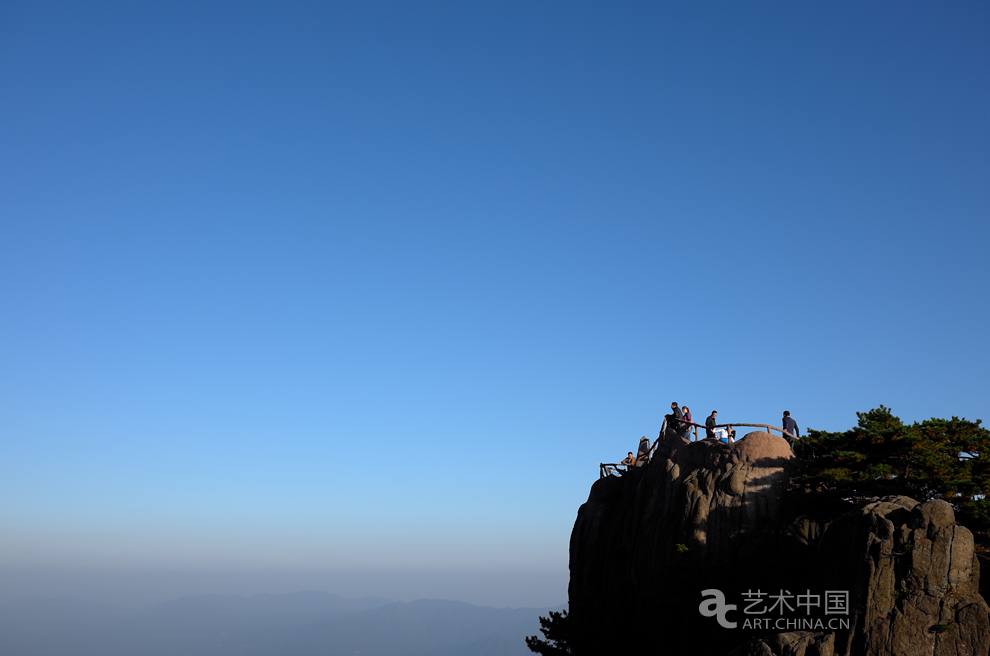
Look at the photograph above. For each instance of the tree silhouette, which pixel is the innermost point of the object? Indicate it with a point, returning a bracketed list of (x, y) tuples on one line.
[(557, 635)]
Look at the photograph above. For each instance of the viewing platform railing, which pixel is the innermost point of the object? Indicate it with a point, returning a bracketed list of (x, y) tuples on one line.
[(607, 468), (696, 426)]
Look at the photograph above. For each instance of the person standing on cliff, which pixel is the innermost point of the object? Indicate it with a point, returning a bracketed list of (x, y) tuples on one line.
[(710, 425), (688, 422), (675, 419), (790, 426)]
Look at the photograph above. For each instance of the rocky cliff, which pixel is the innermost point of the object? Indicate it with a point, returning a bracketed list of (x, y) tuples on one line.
[(648, 546)]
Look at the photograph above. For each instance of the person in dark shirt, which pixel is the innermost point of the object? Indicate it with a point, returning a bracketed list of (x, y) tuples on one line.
[(710, 425), (675, 420), (790, 426)]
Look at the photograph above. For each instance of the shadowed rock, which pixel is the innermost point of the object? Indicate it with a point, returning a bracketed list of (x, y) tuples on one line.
[(695, 515), (914, 582), (707, 515)]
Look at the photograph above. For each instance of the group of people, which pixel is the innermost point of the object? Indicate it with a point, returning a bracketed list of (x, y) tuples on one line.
[(680, 422)]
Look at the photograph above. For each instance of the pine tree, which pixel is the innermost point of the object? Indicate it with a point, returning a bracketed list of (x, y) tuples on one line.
[(556, 630), (934, 459)]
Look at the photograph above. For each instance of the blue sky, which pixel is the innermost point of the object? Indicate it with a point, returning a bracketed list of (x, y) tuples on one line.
[(376, 286)]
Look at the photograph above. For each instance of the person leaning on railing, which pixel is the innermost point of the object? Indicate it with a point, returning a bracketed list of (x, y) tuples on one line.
[(791, 427)]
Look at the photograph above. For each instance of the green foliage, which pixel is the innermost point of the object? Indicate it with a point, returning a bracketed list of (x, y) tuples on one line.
[(937, 458), (682, 548), (557, 631)]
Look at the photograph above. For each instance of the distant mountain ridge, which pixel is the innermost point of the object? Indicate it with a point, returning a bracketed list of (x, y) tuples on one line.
[(299, 624)]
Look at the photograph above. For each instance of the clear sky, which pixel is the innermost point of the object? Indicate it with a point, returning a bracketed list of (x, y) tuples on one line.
[(376, 286)]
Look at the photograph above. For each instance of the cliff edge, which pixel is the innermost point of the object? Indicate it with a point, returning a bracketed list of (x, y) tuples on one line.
[(711, 521)]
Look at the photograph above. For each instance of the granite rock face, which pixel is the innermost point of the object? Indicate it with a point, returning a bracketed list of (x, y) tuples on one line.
[(914, 579), (706, 515), (694, 516)]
